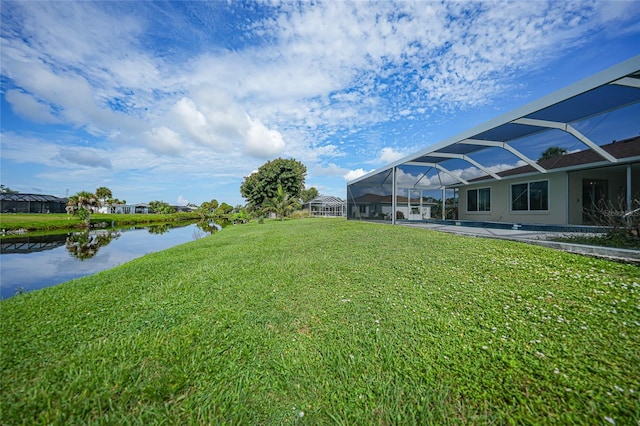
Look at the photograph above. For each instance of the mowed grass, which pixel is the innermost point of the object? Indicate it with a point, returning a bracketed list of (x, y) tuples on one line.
[(330, 322), (49, 221)]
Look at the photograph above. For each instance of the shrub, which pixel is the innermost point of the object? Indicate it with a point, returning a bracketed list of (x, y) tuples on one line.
[(623, 225), (300, 214)]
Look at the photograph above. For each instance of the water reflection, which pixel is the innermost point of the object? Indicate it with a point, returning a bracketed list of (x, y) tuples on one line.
[(31, 244), (158, 229), (85, 245), (210, 227), (30, 263)]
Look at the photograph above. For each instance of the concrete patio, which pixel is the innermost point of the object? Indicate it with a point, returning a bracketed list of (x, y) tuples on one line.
[(538, 237)]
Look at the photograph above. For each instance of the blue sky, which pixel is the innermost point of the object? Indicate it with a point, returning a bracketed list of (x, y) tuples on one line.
[(178, 101)]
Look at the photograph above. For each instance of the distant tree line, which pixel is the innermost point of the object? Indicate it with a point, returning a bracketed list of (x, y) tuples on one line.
[(278, 186)]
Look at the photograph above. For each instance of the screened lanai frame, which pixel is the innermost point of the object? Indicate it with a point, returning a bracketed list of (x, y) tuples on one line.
[(326, 206), (31, 203), (569, 115)]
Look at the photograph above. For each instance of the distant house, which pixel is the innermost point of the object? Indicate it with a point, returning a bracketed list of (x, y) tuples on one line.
[(32, 203), (140, 208), (326, 206), (184, 209)]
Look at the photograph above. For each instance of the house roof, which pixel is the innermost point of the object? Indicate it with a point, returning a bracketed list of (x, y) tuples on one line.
[(32, 198), (328, 200), (613, 89), (386, 199), (622, 150)]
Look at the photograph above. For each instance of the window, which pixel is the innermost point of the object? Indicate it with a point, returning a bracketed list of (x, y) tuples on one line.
[(539, 195), (520, 196), (531, 196), (479, 200)]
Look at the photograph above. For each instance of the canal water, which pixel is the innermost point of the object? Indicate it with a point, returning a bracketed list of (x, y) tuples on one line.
[(32, 263)]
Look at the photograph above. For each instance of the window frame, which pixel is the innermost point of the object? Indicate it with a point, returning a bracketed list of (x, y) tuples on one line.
[(478, 200), (544, 199)]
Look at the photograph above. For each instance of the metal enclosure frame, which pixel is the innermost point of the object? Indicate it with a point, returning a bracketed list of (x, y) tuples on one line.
[(610, 90)]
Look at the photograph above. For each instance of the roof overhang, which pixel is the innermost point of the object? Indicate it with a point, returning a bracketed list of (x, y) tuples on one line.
[(612, 89)]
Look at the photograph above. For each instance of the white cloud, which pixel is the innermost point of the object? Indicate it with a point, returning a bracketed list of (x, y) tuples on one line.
[(136, 173), (326, 64), (164, 141), (221, 124), (389, 155), (30, 108), (21, 149), (192, 121), (136, 69), (262, 142), (87, 157), (355, 174), (182, 201), (614, 12), (73, 96), (330, 169)]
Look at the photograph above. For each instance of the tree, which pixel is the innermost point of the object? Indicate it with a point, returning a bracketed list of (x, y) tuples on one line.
[(551, 152), (239, 215), (223, 209), (103, 194), (281, 204), (309, 194), (6, 190), (207, 208), (82, 204), (161, 207), (263, 184), (210, 205)]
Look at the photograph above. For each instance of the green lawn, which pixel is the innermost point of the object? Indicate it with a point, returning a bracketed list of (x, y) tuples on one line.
[(50, 221), (330, 322)]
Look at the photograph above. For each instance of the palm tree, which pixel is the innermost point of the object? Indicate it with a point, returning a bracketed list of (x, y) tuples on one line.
[(281, 204), (105, 197), (552, 151), (103, 194), (82, 204)]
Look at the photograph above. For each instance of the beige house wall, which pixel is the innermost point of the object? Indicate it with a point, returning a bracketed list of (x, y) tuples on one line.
[(565, 196), (501, 202)]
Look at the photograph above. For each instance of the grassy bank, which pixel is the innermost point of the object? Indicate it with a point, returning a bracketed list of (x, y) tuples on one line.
[(330, 322), (46, 222)]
